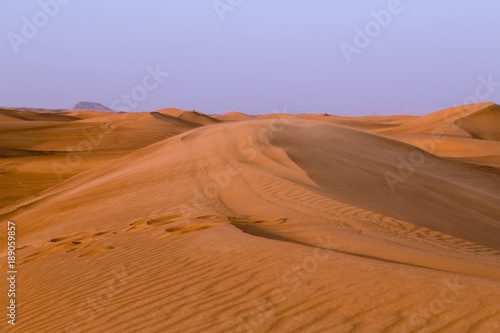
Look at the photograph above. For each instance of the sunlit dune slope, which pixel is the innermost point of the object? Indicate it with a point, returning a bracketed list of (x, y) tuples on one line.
[(362, 169), (191, 116), (441, 121), (467, 133), (40, 150), (270, 225), (233, 116), (34, 116)]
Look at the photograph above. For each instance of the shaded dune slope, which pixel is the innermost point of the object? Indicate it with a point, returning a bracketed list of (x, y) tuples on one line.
[(483, 124)]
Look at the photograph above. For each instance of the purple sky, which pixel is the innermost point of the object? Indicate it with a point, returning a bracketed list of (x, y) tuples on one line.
[(339, 57)]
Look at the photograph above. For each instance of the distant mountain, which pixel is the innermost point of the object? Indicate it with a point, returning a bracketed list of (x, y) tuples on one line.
[(89, 106)]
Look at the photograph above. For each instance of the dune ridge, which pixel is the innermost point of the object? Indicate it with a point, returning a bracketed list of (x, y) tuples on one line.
[(266, 224)]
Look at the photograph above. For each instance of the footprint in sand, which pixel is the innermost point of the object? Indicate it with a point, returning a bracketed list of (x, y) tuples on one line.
[(96, 251)]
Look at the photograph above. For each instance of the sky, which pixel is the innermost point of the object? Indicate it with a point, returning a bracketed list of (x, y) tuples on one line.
[(342, 57)]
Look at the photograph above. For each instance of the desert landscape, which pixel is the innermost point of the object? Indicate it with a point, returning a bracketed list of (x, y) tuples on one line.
[(180, 221)]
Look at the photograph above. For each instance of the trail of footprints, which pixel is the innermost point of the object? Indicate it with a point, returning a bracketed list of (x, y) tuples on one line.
[(83, 240), (179, 224), (68, 244)]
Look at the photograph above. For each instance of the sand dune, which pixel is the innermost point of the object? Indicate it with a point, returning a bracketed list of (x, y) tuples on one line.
[(275, 224), (483, 124), (34, 116), (37, 154), (233, 116), (191, 116), (443, 121), (278, 116), (82, 114), (452, 133)]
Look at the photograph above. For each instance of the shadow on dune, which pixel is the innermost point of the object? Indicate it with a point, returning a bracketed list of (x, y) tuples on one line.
[(357, 167)]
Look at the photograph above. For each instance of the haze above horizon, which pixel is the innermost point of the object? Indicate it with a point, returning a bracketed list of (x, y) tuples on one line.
[(336, 57)]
